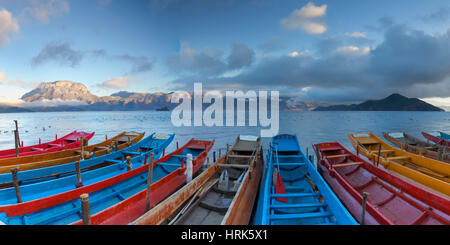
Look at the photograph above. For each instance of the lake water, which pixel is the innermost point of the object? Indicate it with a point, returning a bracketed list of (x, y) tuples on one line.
[(310, 127)]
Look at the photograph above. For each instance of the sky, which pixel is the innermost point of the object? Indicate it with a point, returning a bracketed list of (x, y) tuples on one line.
[(323, 51)]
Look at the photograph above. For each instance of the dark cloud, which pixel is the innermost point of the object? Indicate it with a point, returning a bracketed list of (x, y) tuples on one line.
[(209, 62), (408, 61), (240, 56), (67, 56), (59, 52)]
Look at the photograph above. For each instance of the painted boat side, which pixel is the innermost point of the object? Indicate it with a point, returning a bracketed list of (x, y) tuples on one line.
[(425, 179), (298, 215), (65, 169), (132, 208), (420, 149), (406, 207), (436, 140), (51, 187), (73, 138)]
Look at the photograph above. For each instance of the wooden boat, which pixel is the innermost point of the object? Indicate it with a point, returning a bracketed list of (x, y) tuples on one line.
[(176, 175), (67, 169), (416, 146), (113, 164), (436, 140), (24, 163), (444, 136), (64, 208), (391, 200), (69, 141), (293, 192), (223, 194), (429, 172)]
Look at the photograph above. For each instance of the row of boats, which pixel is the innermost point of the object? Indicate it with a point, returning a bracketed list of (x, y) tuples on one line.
[(129, 179)]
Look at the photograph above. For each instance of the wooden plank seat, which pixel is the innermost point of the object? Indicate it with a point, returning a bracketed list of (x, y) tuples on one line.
[(337, 156), (382, 151), (398, 158), (54, 145), (347, 164), (240, 156), (102, 148), (37, 149)]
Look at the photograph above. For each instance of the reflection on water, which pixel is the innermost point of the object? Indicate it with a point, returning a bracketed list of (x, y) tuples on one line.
[(311, 127)]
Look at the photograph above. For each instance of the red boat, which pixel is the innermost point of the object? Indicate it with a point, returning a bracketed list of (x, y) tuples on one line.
[(133, 207), (69, 141), (391, 200), (436, 140), (113, 200)]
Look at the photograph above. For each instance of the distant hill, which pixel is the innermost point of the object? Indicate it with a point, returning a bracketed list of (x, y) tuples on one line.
[(70, 96), (394, 102)]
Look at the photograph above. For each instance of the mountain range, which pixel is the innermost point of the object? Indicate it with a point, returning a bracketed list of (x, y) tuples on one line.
[(71, 96), (394, 102)]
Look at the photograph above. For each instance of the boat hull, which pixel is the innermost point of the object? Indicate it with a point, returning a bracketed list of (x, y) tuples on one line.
[(69, 141), (385, 205), (431, 173)]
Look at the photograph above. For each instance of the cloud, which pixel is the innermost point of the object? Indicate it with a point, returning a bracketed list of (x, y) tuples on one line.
[(273, 44), (43, 10), (8, 26), (240, 56), (209, 62), (63, 53), (407, 61), (60, 52), (356, 35), (439, 15), (139, 64), (383, 23), (308, 19), (117, 83), (4, 80)]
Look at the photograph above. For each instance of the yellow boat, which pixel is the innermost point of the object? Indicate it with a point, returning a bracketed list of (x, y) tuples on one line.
[(24, 163), (429, 172)]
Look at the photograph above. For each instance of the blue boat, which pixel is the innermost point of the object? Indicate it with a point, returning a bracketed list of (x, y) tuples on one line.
[(301, 196), (155, 143), (68, 169), (65, 208), (444, 136)]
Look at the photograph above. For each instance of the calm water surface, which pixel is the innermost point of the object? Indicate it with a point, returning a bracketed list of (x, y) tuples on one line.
[(310, 127)]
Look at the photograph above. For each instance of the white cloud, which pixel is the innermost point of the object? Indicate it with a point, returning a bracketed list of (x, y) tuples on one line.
[(356, 35), (8, 25), (353, 50), (301, 53), (4, 80), (443, 103), (308, 19), (117, 83)]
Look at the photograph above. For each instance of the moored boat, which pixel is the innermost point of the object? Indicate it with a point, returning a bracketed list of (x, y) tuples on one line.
[(24, 163), (416, 146), (390, 201), (116, 163), (223, 194), (293, 192), (429, 172), (436, 139), (444, 136), (65, 208), (69, 141), (67, 169)]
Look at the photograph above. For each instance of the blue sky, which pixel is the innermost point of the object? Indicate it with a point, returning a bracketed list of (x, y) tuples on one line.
[(331, 51)]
